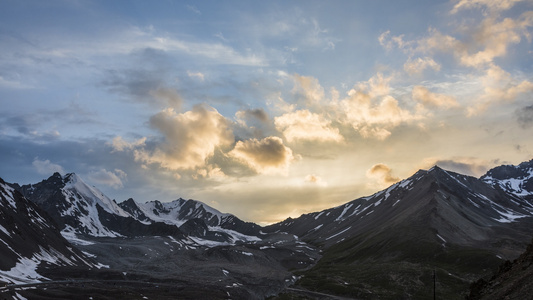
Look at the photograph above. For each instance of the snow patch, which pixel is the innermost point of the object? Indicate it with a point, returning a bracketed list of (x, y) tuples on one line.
[(317, 228), (440, 237), (3, 229), (69, 234), (346, 208), (19, 297), (8, 197), (338, 233), (509, 216)]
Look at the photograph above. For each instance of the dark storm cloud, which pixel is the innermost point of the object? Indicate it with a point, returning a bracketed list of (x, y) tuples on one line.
[(525, 116)]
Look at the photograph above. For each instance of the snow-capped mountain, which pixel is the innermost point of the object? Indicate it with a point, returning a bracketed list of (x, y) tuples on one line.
[(194, 218), (451, 207), (517, 180), (30, 240), (81, 209), (436, 220)]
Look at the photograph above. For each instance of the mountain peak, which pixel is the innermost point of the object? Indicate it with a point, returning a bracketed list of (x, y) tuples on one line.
[(435, 168), (514, 179)]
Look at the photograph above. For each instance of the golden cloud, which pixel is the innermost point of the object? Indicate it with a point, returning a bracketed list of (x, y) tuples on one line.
[(417, 66), (492, 5), (498, 86), (374, 117), (119, 144), (369, 109), (268, 155), (309, 87), (190, 138), (305, 125), (427, 98), (382, 173)]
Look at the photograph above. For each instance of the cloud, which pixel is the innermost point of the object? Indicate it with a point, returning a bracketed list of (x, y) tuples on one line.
[(427, 98), (368, 108), (189, 139), (474, 46), (309, 89), (464, 165), (197, 75), (481, 44), (418, 65), (132, 82), (268, 155), (491, 5), (112, 179), (315, 180), (257, 114), (304, 125), (499, 86), (492, 38), (389, 42), (215, 52), (382, 173), (525, 116), (194, 9), (45, 167), (371, 111), (13, 84), (253, 123), (119, 144), (168, 96)]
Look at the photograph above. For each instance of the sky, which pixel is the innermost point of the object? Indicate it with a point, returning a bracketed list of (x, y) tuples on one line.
[(263, 109)]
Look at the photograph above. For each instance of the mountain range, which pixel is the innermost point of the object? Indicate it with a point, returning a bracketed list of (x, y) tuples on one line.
[(434, 232)]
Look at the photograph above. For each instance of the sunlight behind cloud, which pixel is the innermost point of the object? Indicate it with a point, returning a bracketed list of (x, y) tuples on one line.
[(266, 156), (190, 138)]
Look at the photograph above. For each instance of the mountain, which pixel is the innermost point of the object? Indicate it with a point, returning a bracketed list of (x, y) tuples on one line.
[(195, 218), (81, 209), (517, 180), (512, 281), (30, 241), (389, 243)]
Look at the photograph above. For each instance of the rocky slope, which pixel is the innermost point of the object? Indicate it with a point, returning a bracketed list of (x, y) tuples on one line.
[(512, 281)]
